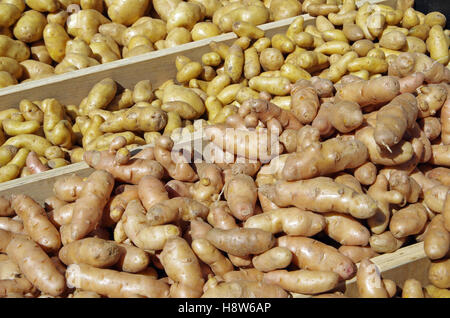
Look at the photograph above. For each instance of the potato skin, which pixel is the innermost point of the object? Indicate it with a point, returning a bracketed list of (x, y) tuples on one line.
[(36, 223), (436, 239), (36, 265), (241, 241), (412, 288), (275, 258), (92, 251), (346, 230), (357, 253), (303, 281), (314, 255), (245, 289), (183, 267), (120, 284), (30, 26), (292, 221), (408, 221)]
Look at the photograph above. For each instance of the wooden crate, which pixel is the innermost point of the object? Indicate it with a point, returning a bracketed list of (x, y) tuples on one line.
[(158, 66)]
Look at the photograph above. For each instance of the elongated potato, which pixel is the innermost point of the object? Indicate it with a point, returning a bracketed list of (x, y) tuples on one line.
[(245, 289), (36, 265), (123, 284), (36, 223), (314, 255), (91, 251), (303, 281), (273, 259), (241, 241), (346, 230), (292, 221)]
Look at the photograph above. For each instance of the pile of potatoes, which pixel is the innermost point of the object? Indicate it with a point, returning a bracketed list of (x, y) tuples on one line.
[(208, 91), (40, 38), (325, 146)]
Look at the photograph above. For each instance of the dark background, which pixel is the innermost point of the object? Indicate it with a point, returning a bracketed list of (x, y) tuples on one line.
[(426, 6)]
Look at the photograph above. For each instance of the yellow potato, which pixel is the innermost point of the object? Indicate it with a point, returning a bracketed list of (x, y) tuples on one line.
[(203, 30), (262, 44), (435, 18), (273, 85), (333, 47), (323, 24), (34, 70), (14, 127), (11, 66), (293, 72), (59, 17), (353, 32), (30, 26), (253, 14), (114, 30), (189, 71), (247, 29), (165, 7), (127, 12), (186, 15), (13, 49), (153, 29), (283, 9), (414, 44), (334, 35), (271, 59), (73, 62), (283, 43), (303, 40), (43, 5), (371, 64), (211, 59), (234, 63), (40, 53), (9, 14), (376, 23), (437, 45), (252, 67), (420, 31), (410, 18), (105, 49), (92, 4), (84, 24), (6, 79), (394, 40)]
